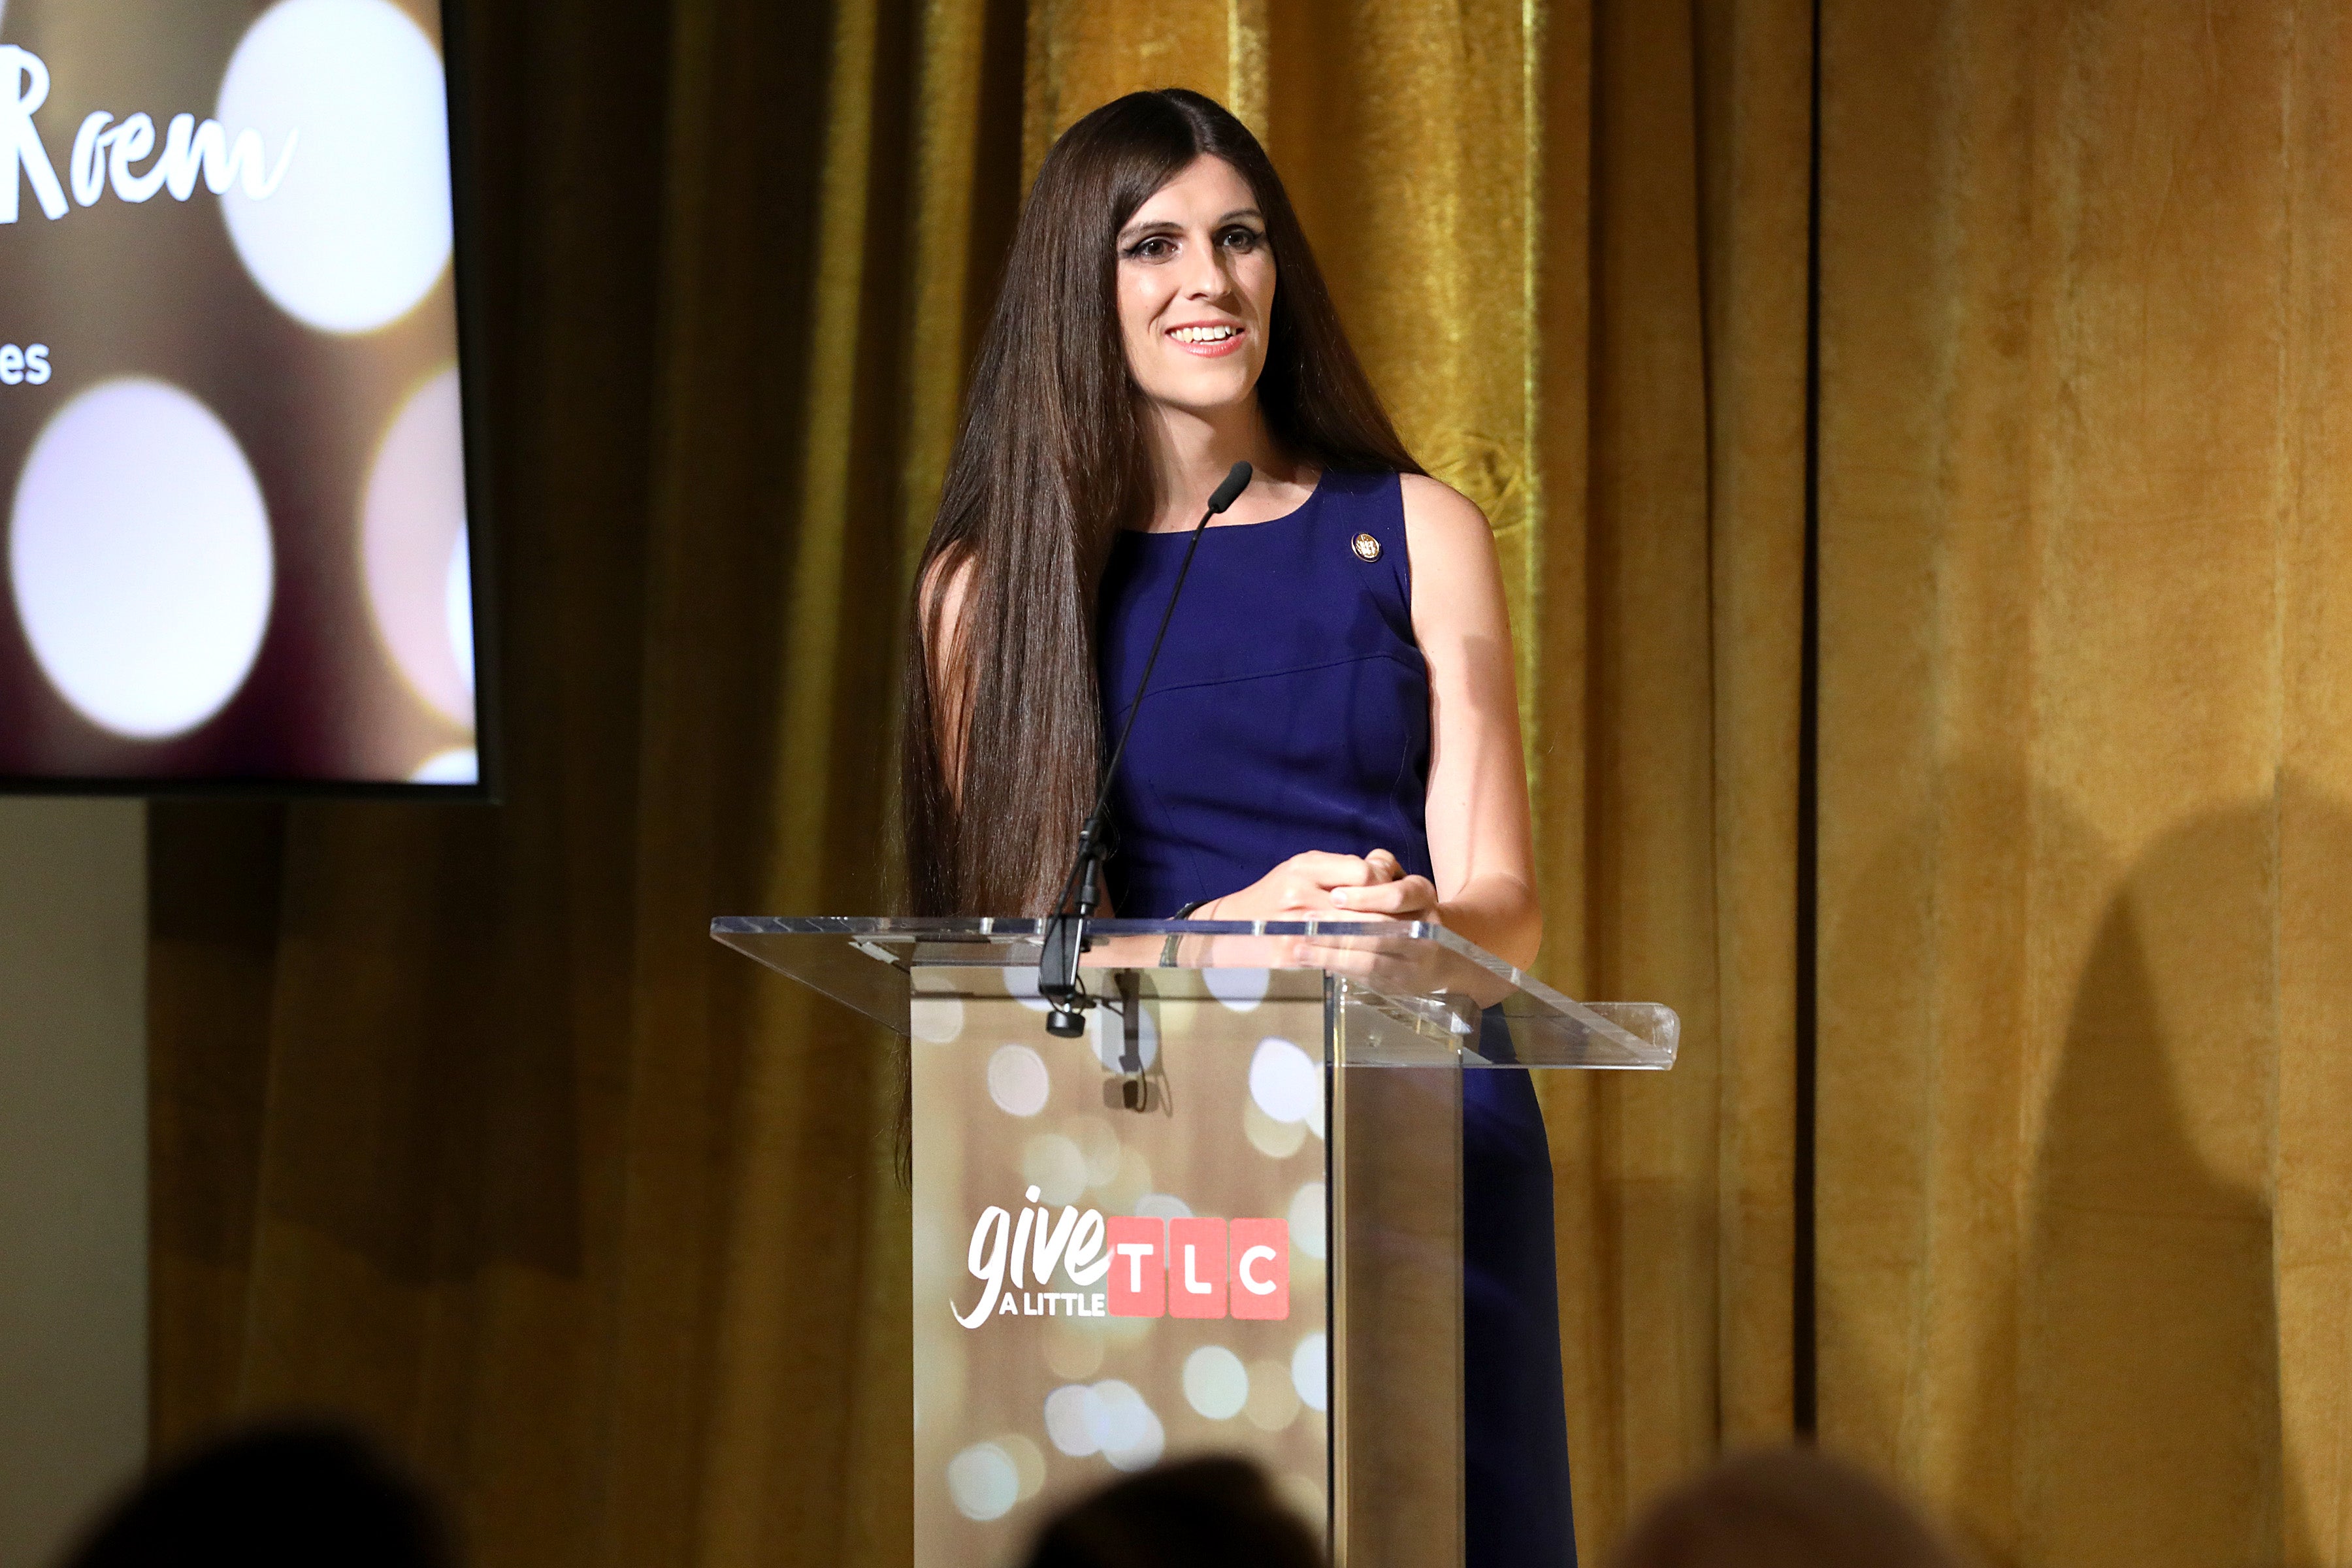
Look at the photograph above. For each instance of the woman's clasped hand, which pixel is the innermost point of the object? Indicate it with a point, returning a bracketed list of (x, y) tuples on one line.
[(1318, 884)]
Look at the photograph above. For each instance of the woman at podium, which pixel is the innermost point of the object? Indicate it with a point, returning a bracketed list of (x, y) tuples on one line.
[(1330, 727)]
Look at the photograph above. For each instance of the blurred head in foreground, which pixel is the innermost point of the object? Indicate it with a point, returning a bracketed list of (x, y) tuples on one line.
[(1784, 1508), (297, 1493), (1212, 1514)]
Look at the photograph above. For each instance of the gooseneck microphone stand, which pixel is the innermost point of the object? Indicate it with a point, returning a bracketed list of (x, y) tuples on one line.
[(1066, 927)]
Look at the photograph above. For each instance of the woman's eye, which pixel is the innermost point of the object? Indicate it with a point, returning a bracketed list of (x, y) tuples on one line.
[(1241, 238), (1156, 247)]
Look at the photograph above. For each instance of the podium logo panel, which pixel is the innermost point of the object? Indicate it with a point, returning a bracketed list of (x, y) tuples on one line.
[(1148, 1257)]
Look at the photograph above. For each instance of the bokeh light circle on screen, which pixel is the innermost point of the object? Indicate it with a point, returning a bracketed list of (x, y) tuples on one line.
[(1239, 989), (139, 556), (1309, 1372), (360, 231), (1099, 1146), (1284, 1081), (1052, 1164), (1124, 1426), (1275, 1140), (1215, 1383), (984, 1481), (1018, 1080), (1066, 1420), (1028, 1459), (1021, 985), (458, 606), (1308, 1219), (458, 765), (412, 544), (938, 1021)]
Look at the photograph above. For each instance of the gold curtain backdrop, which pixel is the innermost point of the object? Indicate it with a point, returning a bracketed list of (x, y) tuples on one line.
[(2086, 872), (1985, 352)]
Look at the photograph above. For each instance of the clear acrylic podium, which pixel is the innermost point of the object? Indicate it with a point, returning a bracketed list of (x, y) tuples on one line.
[(1226, 1218)]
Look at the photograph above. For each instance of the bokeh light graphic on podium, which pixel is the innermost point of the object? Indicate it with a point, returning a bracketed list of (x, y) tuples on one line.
[(1155, 1319)]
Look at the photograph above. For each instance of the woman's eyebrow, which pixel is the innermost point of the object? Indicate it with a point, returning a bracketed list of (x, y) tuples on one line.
[(1169, 225)]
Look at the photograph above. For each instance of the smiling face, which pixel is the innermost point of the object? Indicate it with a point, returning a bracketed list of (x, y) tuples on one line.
[(1196, 289)]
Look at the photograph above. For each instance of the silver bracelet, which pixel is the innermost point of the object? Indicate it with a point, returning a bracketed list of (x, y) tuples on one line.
[(1168, 948)]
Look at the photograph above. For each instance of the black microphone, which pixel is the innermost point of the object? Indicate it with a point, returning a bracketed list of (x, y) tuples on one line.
[(1066, 928), (1236, 480)]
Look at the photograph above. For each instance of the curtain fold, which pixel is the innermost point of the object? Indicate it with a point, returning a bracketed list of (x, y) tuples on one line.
[(2082, 784), (1674, 506)]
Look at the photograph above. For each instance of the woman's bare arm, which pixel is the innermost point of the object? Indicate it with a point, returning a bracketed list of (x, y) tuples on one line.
[(946, 583), (1481, 845)]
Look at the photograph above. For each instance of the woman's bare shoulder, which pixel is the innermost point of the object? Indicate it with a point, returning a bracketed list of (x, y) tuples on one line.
[(1444, 530)]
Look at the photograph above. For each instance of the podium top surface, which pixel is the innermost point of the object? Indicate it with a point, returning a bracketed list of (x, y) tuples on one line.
[(1410, 984)]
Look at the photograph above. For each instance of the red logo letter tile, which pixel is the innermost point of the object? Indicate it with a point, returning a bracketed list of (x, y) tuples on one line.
[(1139, 1266), (1261, 1268), (1196, 1269)]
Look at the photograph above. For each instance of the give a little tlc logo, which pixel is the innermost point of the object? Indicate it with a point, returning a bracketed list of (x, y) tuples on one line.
[(1155, 1267)]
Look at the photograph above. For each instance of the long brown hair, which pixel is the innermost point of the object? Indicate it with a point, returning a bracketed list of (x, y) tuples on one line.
[(1052, 458)]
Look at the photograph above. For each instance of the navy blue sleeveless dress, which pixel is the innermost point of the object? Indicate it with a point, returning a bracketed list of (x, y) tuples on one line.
[(1289, 711)]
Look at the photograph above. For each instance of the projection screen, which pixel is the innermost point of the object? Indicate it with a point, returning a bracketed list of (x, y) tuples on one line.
[(234, 453)]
